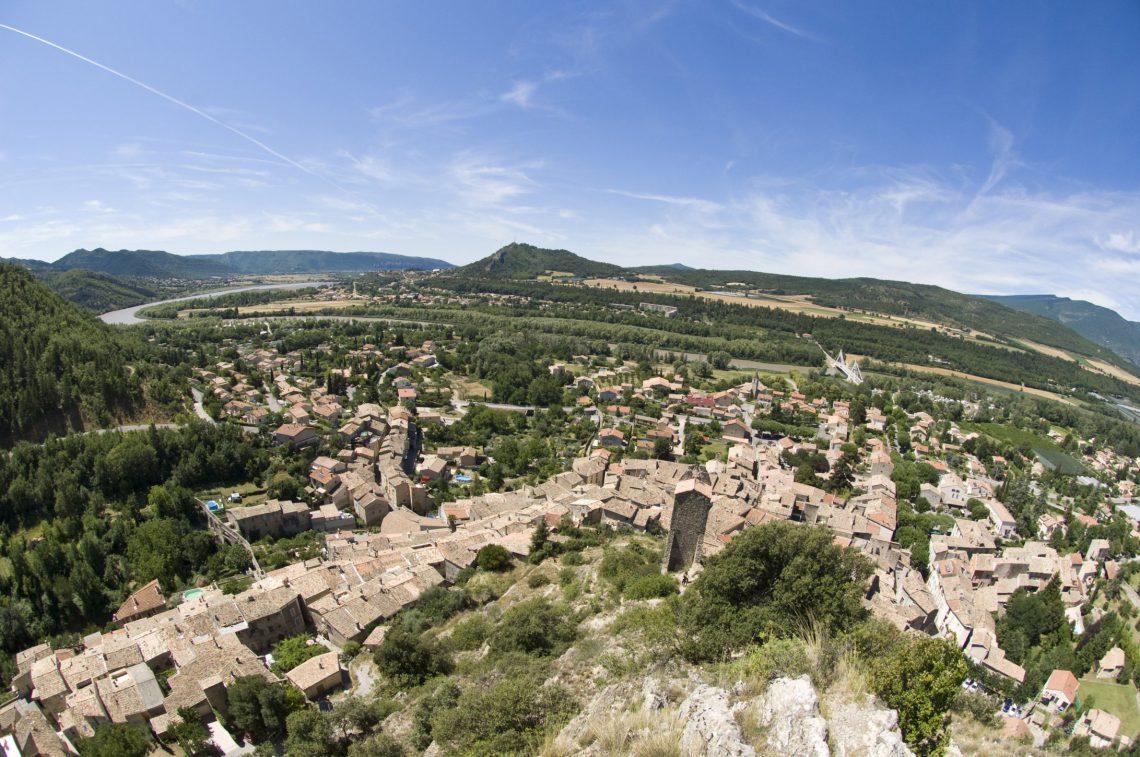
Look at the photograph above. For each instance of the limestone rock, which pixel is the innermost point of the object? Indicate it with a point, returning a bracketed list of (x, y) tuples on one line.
[(866, 731), (652, 697), (790, 712), (613, 698), (710, 728)]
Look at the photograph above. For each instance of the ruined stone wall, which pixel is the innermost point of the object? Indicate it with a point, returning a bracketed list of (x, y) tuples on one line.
[(691, 505)]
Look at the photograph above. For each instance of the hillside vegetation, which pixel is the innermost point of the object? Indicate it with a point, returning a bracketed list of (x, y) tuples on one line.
[(1101, 325), (894, 298), (156, 264), (525, 261), (148, 263), (269, 262), (901, 298), (94, 291), (62, 369)]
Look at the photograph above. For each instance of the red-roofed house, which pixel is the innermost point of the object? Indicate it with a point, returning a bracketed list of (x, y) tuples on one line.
[(1060, 691)]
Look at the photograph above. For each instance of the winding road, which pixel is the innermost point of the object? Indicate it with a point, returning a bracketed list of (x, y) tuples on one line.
[(199, 409)]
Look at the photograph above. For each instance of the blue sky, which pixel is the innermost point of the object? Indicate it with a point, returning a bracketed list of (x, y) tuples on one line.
[(987, 147)]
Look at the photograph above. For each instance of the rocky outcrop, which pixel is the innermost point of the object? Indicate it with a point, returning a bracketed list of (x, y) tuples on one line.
[(866, 731), (785, 720), (789, 710), (710, 728)]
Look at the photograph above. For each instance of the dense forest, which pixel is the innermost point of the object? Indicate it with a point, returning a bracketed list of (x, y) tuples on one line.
[(62, 369), (1099, 324), (93, 291), (86, 518)]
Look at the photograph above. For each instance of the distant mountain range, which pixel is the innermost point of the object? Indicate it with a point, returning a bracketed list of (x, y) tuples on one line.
[(101, 279), (165, 265), (1098, 324), (896, 298)]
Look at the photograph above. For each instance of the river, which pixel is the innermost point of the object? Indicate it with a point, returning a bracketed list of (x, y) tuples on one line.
[(128, 316)]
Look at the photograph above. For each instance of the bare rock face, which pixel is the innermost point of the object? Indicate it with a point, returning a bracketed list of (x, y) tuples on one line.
[(789, 710), (652, 698), (614, 698), (866, 731), (710, 728)]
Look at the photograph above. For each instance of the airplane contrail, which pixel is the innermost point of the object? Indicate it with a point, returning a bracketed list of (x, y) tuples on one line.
[(186, 106)]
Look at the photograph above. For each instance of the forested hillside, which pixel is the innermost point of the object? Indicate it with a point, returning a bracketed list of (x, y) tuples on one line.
[(149, 263), (62, 369), (525, 261), (905, 299), (267, 262), (157, 264), (93, 291), (1101, 325), (88, 518)]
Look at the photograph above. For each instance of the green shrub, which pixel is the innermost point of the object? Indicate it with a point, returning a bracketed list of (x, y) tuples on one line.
[(979, 705), (622, 566), (291, 652), (537, 580), (376, 745), (116, 740), (442, 697), (409, 659), (573, 558), (650, 587), (921, 678), (493, 558), (772, 579), (778, 657), (534, 627), (509, 717), (656, 625), (438, 604), (470, 633)]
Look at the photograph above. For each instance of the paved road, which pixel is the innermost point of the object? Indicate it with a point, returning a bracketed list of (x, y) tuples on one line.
[(199, 409), (134, 427), (274, 403), (130, 315)]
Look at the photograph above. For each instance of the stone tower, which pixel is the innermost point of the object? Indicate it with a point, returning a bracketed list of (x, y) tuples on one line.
[(692, 501)]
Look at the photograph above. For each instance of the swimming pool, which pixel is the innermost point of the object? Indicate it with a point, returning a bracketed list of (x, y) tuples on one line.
[(462, 478), (192, 594)]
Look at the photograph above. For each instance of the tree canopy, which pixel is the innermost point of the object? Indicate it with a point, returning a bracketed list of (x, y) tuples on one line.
[(771, 579)]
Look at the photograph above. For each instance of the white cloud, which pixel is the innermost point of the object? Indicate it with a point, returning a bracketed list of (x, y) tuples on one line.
[(762, 15), (1121, 241), (480, 181), (520, 93), (901, 224), (1001, 143), (407, 112), (695, 203), (523, 91)]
